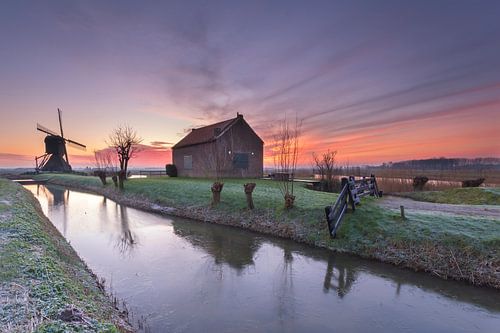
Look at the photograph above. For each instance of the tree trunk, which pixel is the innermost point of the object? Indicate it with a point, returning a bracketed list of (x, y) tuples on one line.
[(115, 180), (289, 200), (102, 176), (249, 187), (216, 189), (121, 178)]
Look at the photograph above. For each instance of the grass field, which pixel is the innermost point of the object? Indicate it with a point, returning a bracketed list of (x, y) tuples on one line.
[(40, 274), (492, 176), (464, 196), (444, 244)]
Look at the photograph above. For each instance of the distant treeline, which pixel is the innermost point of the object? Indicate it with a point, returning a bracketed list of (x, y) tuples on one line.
[(445, 164)]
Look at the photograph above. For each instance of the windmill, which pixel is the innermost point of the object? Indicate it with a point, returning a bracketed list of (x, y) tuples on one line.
[(56, 155)]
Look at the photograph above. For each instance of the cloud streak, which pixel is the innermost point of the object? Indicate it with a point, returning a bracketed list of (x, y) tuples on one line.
[(370, 80)]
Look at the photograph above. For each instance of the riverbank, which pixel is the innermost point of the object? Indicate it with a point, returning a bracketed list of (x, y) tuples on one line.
[(446, 245), (44, 285)]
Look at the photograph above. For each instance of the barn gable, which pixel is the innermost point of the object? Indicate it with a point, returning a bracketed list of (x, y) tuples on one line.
[(211, 132), (242, 149)]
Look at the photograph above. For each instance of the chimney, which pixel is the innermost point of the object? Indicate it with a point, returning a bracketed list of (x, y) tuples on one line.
[(239, 116)]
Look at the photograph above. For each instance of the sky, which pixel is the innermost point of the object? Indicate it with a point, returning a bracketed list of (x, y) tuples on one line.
[(377, 81)]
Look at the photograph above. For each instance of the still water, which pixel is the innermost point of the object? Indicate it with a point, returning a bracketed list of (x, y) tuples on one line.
[(188, 276)]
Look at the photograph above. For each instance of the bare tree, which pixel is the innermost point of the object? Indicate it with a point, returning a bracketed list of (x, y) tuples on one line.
[(217, 163), (325, 165), (249, 187), (286, 151), (105, 164), (100, 166), (125, 143)]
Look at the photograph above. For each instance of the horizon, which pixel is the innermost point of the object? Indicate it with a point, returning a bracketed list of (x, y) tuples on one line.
[(271, 167), (377, 82)]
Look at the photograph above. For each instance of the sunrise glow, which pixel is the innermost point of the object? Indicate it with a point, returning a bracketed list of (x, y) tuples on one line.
[(364, 79)]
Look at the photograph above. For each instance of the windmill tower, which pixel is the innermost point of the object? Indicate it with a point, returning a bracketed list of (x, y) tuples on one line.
[(56, 155)]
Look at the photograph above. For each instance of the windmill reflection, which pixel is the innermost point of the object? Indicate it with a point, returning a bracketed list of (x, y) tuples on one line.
[(57, 197), (226, 246), (342, 274)]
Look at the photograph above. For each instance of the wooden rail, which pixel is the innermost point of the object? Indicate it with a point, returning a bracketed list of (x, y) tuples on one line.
[(352, 191), (152, 173)]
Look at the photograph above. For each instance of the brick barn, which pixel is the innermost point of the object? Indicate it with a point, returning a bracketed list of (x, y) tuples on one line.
[(230, 148)]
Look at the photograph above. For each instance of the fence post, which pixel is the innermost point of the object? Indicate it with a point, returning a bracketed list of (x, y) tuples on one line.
[(344, 181), (402, 208), (351, 181)]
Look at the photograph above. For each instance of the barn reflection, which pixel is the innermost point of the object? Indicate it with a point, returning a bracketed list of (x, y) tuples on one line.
[(230, 246)]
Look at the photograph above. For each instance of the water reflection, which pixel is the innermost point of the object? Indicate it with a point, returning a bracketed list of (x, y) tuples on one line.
[(188, 276), (57, 197), (126, 240), (338, 277), (237, 251)]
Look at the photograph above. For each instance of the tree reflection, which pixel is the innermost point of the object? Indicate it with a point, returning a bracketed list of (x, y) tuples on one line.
[(285, 293), (343, 276), (126, 241)]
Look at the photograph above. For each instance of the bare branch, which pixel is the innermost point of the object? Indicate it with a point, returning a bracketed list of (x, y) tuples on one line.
[(125, 143), (286, 150), (325, 165)]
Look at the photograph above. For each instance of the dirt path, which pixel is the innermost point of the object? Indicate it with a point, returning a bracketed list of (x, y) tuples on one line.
[(413, 205)]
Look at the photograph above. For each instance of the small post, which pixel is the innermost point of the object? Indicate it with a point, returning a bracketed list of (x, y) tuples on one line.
[(343, 182), (402, 208), (249, 187)]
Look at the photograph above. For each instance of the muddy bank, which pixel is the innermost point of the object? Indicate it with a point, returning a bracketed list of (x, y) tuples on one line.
[(44, 285), (450, 260)]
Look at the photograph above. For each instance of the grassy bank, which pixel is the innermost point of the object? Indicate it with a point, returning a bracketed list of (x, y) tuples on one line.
[(41, 275), (459, 196), (447, 245)]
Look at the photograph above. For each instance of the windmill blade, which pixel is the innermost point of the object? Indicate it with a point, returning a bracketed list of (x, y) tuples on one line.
[(45, 130), (62, 134), (59, 113), (75, 144)]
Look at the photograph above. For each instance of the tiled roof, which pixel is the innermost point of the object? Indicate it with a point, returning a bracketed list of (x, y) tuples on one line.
[(205, 134)]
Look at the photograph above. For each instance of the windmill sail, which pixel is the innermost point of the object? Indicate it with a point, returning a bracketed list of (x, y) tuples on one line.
[(76, 145), (62, 134), (45, 130), (56, 155)]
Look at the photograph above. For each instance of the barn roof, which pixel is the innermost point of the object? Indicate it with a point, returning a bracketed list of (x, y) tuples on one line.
[(207, 133)]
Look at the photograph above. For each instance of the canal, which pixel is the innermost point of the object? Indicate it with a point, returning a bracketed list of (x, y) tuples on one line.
[(187, 276)]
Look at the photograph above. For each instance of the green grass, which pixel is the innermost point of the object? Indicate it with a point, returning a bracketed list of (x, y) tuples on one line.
[(373, 224), (371, 231), (460, 196), (195, 192), (369, 222), (40, 274)]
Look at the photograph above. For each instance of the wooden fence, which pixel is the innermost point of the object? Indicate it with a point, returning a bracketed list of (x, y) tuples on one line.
[(352, 191), (151, 173)]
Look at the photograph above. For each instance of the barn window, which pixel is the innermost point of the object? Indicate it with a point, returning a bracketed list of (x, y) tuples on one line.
[(188, 162), (240, 161)]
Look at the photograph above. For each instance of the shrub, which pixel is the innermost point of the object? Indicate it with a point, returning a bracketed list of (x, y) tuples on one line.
[(419, 183), (171, 170)]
